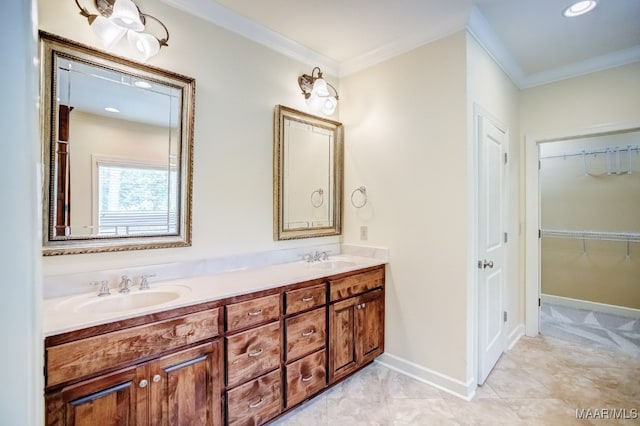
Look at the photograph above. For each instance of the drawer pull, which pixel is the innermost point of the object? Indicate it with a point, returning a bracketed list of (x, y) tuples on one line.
[(308, 333), (257, 404), (307, 299), (255, 353), (308, 378), (254, 313)]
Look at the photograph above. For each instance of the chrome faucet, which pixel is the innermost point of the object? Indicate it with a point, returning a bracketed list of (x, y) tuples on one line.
[(144, 281), (125, 284), (316, 256), (321, 255), (104, 287)]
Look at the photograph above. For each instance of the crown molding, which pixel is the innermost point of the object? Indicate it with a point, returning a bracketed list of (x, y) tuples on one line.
[(479, 28), (595, 64), (474, 23), (221, 16), (404, 45)]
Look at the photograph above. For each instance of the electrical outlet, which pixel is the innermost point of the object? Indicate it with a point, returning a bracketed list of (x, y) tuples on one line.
[(364, 233)]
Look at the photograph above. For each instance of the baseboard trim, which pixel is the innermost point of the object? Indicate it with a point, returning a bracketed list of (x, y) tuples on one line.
[(515, 336), (441, 381), (591, 306)]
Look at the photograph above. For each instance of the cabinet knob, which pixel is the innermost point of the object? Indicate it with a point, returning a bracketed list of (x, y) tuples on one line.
[(157, 378), (143, 383)]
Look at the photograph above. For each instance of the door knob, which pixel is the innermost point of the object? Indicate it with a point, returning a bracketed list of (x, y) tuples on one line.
[(482, 264)]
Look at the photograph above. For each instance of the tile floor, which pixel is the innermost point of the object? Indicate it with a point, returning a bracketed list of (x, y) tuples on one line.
[(592, 328), (541, 381)]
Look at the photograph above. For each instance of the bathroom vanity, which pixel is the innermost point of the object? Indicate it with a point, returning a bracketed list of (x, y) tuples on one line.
[(214, 356)]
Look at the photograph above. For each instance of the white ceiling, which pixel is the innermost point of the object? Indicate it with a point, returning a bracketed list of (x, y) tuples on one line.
[(530, 39)]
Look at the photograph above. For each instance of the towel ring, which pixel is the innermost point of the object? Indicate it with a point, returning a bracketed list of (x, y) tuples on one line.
[(320, 193), (362, 190)]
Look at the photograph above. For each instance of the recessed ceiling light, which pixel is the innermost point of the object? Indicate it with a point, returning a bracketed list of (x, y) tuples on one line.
[(580, 8), (112, 109)]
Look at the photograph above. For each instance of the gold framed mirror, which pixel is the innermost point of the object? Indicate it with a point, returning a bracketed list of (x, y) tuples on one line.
[(307, 175), (117, 142)]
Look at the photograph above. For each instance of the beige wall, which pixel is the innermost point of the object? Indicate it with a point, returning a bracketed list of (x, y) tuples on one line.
[(593, 270), (238, 83), (583, 104), (406, 141), (410, 142)]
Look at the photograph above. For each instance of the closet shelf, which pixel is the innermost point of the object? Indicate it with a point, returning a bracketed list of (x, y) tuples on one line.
[(591, 235), (628, 149)]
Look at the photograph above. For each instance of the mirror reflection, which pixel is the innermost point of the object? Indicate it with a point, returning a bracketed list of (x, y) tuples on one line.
[(308, 178), (118, 144)]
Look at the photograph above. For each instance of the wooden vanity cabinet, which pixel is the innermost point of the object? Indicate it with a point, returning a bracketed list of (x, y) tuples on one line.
[(179, 387), (305, 343), (356, 322), (253, 358), (238, 361)]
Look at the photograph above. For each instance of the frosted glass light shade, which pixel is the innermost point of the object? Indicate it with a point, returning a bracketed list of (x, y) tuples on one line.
[(320, 88), (314, 102), (145, 44), (329, 105), (108, 32), (125, 14)]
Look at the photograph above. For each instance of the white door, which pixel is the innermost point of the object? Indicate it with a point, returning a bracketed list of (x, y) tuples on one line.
[(492, 158)]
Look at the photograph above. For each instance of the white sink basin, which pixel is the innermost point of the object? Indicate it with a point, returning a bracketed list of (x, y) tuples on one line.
[(333, 264), (120, 302)]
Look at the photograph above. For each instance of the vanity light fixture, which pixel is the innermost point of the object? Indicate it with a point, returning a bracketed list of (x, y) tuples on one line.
[(115, 18), (316, 92), (111, 109), (580, 8)]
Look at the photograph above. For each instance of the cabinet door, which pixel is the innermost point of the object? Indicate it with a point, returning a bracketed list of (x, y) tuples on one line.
[(185, 387), (112, 399), (369, 326), (342, 338)]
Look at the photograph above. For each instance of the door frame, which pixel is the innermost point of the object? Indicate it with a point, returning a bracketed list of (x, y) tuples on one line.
[(532, 262), (474, 301)]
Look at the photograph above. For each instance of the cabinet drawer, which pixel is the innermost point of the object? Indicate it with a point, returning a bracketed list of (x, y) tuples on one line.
[(83, 357), (255, 402), (306, 333), (305, 377), (305, 298), (252, 353), (253, 312), (356, 284)]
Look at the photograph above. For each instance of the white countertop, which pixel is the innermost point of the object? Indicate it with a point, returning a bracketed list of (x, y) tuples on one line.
[(61, 314)]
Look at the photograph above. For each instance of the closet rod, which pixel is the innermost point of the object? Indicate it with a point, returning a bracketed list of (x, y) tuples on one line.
[(591, 235), (629, 148)]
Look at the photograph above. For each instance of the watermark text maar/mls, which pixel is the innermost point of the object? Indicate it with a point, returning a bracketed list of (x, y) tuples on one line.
[(606, 413)]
